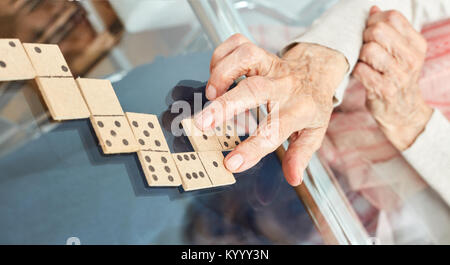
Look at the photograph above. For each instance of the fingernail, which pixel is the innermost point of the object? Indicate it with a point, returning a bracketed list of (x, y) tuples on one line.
[(204, 120), (299, 179), (211, 92), (234, 162)]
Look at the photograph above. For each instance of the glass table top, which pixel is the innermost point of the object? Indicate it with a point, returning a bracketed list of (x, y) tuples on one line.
[(59, 184)]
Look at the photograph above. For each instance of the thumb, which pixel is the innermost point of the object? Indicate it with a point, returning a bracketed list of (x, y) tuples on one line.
[(302, 146)]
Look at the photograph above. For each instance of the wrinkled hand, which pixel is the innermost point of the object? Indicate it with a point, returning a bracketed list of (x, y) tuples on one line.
[(298, 90), (391, 61)]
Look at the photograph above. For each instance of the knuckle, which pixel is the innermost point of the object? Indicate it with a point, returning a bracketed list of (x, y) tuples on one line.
[(214, 58), (237, 37), (248, 50), (378, 30), (393, 16), (217, 75), (412, 61), (370, 49)]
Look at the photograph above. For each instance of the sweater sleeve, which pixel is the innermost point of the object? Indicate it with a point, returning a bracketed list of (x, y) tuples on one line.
[(430, 154), (341, 27)]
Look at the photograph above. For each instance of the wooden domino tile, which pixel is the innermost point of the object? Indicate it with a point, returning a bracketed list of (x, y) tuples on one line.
[(200, 141), (147, 131), (63, 98), (114, 134), (227, 136), (100, 97), (192, 173), (47, 60), (14, 62), (213, 163), (159, 169)]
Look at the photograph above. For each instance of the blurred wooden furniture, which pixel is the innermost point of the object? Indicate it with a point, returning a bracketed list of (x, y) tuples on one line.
[(64, 23), (85, 32)]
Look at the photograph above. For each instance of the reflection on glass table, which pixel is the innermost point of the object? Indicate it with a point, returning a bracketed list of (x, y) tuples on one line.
[(394, 202)]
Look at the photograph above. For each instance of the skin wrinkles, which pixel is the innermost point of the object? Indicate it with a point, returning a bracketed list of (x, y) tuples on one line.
[(298, 89), (391, 62)]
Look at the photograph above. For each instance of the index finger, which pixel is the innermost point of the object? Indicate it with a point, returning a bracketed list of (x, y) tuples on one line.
[(249, 93), (226, 48), (222, 51), (247, 59)]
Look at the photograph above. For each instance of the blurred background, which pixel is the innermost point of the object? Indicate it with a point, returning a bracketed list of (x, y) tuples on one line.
[(102, 37)]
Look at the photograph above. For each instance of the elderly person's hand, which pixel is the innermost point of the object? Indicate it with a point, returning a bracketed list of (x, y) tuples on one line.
[(297, 88), (391, 61)]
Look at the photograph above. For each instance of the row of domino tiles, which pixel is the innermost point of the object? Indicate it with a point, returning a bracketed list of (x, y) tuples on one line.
[(118, 131)]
